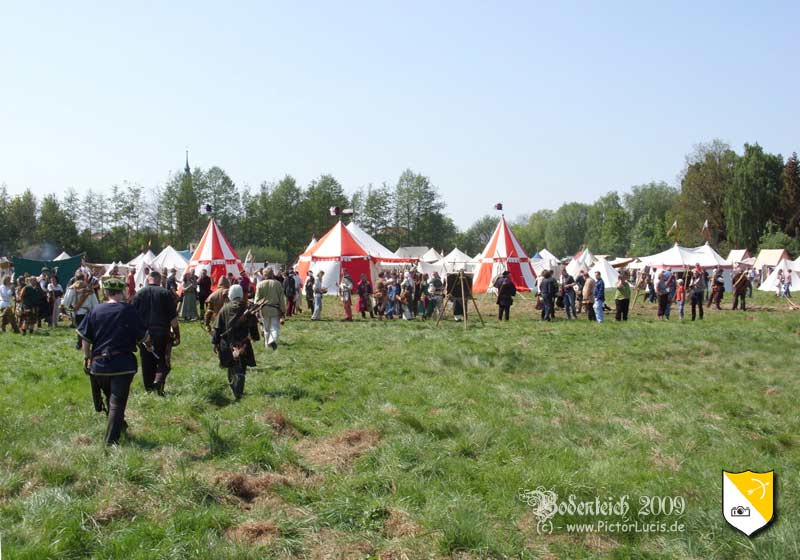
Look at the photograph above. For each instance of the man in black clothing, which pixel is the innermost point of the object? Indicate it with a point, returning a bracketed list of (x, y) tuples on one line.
[(110, 332), (156, 308), (547, 291), (506, 290), (203, 290)]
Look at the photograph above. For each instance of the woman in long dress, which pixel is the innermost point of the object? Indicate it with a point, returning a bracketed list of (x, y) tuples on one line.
[(189, 308)]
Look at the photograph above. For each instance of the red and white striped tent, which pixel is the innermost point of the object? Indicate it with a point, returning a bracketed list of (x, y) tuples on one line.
[(503, 252), (345, 249), (215, 255)]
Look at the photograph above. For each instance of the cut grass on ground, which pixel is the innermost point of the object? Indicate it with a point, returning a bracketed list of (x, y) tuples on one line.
[(403, 440)]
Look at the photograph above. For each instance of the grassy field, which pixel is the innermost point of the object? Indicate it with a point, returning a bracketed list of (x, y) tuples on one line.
[(402, 440)]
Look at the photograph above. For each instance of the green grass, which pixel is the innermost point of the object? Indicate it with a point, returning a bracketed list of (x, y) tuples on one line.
[(372, 439)]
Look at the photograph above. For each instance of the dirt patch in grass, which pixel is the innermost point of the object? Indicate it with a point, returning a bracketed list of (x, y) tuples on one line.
[(279, 423), (331, 545), (340, 450), (600, 543), (248, 487), (258, 533), (660, 459), (109, 514), (82, 439), (398, 525)]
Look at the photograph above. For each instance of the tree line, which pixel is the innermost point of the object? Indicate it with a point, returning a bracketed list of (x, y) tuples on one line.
[(750, 200)]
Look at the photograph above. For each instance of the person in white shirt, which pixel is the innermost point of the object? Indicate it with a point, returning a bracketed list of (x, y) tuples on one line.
[(7, 305)]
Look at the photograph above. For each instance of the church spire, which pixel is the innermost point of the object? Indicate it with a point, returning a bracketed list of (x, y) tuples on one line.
[(187, 169)]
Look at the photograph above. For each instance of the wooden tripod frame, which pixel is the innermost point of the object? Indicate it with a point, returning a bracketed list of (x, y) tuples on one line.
[(471, 298)]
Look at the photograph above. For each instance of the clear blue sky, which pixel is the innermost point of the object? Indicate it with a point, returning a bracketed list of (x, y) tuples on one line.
[(532, 104)]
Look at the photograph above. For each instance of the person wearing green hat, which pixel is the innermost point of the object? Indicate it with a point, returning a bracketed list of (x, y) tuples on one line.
[(110, 333)]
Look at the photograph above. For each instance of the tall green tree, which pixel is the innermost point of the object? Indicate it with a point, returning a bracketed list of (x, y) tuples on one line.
[(418, 210), (788, 214), (288, 233), (474, 239), (707, 176), (55, 227), (752, 198), (531, 230), (320, 196), (607, 226), (22, 218), (377, 215), (649, 207), (566, 231), (9, 236)]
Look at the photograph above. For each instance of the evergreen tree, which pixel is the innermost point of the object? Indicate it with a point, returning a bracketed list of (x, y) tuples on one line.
[(788, 217), (187, 212), (751, 199)]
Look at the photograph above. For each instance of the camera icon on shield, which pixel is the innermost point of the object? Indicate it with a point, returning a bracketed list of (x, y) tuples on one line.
[(740, 511)]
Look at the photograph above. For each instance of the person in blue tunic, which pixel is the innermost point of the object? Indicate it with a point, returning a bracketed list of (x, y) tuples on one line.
[(110, 333)]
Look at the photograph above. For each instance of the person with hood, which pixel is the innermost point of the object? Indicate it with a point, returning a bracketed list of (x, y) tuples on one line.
[(505, 296), (234, 330), (270, 294), (346, 294), (215, 301), (189, 307)]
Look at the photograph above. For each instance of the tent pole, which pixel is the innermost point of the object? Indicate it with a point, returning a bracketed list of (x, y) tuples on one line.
[(463, 303)]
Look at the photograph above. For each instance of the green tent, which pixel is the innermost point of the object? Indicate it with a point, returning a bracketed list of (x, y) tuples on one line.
[(66, 268)]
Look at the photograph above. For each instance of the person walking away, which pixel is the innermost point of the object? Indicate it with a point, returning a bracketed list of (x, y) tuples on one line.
[(110, 333), (740, 282), (7, 305), (246, 284), (319, 291), (189, 308), (130, 284), (309, 291), (156, 309), (547, 291), (270, 294), (80, 297), (505, 296), (298, 291), (364, 291), (588, 296), (346, 294), (698, 288), (203, 290), (568, 293), (289, 291), (622, 299), (215, 302), (234, 329), (662, 294), (680, 297), (599, 294)]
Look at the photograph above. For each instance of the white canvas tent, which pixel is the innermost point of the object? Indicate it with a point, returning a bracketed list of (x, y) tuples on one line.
[(411, 252), (677, 259), (168, 259), (456, 260), (431, 256), (375, 249), (770, 284), (142, 262), (62, 257), (738, 256), (608, 273), (582, 261), (545, 260)]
